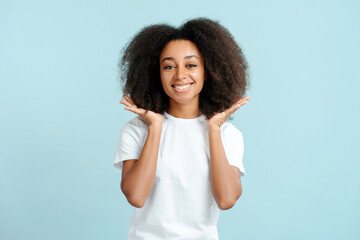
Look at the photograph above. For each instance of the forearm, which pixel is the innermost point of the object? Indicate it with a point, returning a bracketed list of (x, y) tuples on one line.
[(225, 185), (138, 182)]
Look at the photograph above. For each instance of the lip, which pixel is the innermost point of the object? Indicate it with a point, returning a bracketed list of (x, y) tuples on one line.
[(181, 84), (181, 90)]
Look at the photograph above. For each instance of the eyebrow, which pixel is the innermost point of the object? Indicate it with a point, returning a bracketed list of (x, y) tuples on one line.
[(186, 57)]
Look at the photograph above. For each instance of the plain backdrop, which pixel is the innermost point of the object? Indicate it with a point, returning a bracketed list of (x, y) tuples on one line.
[(61, 117)]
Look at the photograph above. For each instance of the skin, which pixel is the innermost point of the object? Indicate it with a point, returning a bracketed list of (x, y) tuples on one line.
[(181, 63)]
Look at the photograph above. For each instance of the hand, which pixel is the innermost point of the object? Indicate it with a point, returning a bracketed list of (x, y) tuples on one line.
[(148, 116), (219, 118)]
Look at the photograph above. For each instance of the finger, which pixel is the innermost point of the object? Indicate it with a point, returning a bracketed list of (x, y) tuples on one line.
[(126, 103), (128, 99), (134, 109), (233, 109), (130, 109), (228, 112), (238, 105), (242, 102), (244, 99)]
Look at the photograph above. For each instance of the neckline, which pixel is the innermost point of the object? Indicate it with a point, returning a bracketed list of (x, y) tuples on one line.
[(199, 118)]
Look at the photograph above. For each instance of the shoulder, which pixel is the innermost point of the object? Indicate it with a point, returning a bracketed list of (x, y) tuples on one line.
[(228, 128), (232, 139), (136, 124)]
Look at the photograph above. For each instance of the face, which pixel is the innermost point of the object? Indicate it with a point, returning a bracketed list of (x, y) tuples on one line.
[(182, 72)]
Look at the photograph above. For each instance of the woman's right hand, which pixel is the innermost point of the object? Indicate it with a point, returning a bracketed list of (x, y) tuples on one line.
[(148, 116)]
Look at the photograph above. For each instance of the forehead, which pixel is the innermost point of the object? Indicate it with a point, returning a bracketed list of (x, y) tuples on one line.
[(180, 49)]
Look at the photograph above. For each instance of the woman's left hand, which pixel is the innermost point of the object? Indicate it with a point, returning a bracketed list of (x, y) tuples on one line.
[(219, 118)]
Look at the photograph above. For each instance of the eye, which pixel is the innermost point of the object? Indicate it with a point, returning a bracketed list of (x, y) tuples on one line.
[(168, 67), (191, 65)]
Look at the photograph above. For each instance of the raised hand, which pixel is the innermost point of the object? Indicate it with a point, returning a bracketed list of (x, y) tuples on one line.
[(219, 118), (148, 116)]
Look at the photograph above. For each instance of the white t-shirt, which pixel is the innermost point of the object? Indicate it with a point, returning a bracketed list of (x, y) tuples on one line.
[(180, 204)]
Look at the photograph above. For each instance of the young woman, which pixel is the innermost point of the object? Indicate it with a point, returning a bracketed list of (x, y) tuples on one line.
[(181, 161)]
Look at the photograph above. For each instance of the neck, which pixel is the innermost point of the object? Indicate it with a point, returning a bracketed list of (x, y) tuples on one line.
[(187, 111)]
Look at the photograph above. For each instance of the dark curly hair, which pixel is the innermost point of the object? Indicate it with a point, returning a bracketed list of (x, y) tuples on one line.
[(224, 63)]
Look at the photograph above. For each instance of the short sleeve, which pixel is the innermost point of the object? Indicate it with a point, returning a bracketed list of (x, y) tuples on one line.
[(233, 143), (130, 142)]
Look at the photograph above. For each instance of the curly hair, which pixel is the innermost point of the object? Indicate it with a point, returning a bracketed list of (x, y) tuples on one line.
[(224, 63)]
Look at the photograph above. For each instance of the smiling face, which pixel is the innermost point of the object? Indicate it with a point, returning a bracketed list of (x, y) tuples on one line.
[(182, 73)]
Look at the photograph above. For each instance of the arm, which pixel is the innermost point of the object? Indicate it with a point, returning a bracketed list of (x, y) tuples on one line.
[(138, 176), (225, 179)]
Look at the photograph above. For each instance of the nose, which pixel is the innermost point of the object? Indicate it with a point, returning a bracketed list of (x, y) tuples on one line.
[(181, 73)]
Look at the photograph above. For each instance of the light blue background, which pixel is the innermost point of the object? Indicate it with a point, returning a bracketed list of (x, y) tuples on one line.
[(60, 116)]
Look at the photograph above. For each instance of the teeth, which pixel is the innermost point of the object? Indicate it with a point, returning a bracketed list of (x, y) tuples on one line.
[(182, 87)]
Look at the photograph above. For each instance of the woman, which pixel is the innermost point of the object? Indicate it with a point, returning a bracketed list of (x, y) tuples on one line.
[(181, 161)]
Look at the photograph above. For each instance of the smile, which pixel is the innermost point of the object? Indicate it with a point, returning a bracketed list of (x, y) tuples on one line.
[(182, 88)]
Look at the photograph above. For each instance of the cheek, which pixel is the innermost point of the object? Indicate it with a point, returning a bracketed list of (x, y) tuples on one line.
[(197, 76), (164, 76)]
